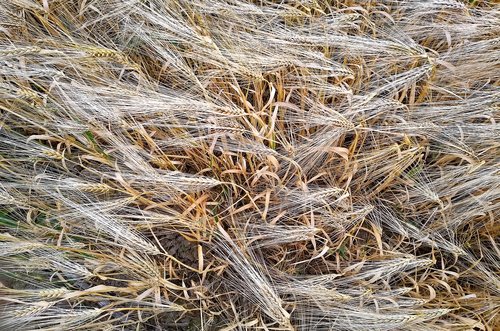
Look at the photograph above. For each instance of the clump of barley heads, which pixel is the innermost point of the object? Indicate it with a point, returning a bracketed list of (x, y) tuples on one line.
[(249, 165)]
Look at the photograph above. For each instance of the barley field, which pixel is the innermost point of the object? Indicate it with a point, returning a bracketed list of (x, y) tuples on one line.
[(249, 165)]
